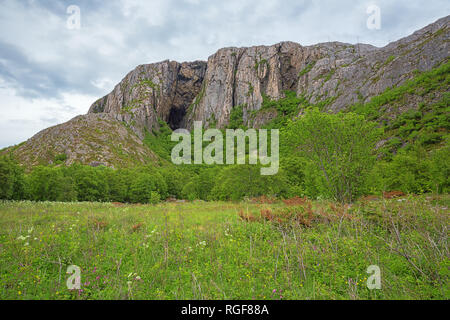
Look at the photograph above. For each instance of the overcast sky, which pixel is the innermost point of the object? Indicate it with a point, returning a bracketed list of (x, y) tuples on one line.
[(50, 73)]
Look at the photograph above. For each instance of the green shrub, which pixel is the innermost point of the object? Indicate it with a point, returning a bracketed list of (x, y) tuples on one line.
[(60, 158), (339, 149), (236, 118)]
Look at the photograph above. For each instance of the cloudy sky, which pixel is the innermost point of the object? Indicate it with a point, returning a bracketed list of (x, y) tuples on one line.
[(50, 73)]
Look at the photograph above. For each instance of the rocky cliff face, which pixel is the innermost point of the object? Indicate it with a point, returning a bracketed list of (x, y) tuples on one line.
[(241, 76), (335, 73), (152, 92)]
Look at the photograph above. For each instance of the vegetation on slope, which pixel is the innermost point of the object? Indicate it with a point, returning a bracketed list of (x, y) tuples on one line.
[(415, 114)]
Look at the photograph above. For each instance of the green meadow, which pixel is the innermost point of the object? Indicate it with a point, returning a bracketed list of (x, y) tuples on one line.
[(254, 249)]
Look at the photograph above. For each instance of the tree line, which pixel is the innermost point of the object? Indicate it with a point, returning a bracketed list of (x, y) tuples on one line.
[(330, 156)]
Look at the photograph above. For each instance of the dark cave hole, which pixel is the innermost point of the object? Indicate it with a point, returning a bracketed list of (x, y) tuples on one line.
[(176, 117)]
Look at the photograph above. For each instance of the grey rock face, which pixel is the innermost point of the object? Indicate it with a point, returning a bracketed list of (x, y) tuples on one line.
[(241, 76), (151, 92), (338, 73)]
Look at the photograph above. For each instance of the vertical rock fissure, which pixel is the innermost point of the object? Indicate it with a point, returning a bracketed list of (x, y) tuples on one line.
[(238, 58), (176, 115)]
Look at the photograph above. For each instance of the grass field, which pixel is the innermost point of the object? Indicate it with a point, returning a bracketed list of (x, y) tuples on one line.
[(216, 250)]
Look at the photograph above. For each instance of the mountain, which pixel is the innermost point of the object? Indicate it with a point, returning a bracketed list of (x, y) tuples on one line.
[(333, 75), (93, 139)]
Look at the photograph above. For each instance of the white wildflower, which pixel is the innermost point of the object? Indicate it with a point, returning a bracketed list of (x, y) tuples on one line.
[(202, 243)]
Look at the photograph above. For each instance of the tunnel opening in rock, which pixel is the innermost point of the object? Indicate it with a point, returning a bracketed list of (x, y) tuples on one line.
[(176, 117)]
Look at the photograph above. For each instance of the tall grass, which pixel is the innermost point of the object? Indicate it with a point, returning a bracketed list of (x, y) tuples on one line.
[(213, 250)]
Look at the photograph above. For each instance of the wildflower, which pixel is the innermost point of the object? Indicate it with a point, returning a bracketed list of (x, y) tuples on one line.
[(202, 243), (138, 278), (30, 230), (274, 291), (26, 244)]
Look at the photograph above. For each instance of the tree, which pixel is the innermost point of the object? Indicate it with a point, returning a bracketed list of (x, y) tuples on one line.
[(410, 171), (141, 189), (440, 169), (119, 185), (339, 148), (91, 183), (158, 180), (174, 181), (201, 184), (12, 180), (50, 184), (238, 181)]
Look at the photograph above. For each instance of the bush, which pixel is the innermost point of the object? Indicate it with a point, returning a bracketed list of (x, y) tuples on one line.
[(339, 149), (60, 158), (236, 118)]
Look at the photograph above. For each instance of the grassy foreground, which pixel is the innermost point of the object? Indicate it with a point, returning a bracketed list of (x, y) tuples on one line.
[(284, 250)]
